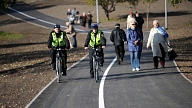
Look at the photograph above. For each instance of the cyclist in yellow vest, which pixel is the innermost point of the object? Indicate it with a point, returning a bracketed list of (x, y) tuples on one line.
[(58, 39), (95, 39)]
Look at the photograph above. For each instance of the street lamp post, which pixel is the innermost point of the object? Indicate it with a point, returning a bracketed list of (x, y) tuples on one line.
[(166, 25), (97, 12)]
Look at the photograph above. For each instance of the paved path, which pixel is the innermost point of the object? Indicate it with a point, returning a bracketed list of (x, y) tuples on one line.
[(122, 88)]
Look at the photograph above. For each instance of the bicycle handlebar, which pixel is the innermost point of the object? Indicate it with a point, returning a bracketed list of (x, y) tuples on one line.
[(59, 49)]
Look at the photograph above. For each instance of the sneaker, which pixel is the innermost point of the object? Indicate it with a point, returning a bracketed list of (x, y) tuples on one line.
[(137, 69), (133, 69)]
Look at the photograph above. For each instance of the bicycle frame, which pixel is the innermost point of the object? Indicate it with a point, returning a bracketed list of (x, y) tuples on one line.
[(96, 66), (59, 64)]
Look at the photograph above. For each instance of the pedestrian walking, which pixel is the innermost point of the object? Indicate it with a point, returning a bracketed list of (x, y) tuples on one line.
[(71, 34), (158, 40), (134, 46), (83, 20), (139, 19), (118, 37), (89, 18), (68, 14), (130, 17)]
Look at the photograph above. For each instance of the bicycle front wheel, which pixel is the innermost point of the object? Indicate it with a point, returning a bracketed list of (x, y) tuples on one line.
[(96, 71), (58, 69)]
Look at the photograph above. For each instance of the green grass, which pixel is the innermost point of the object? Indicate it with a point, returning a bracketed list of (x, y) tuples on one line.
[(189, 23), (9, 36)]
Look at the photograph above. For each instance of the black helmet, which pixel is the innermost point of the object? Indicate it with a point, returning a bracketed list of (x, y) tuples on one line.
[(56, 26), (94, 25)]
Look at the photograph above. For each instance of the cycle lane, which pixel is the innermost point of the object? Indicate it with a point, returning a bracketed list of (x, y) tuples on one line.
[(148, 88), (147, 62)]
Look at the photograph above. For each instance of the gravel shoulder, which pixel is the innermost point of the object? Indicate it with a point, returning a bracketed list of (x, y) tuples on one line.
[(25, 64)]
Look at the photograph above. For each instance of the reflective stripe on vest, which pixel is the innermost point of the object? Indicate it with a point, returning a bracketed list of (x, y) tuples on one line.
[(98, 39), (58, 42)]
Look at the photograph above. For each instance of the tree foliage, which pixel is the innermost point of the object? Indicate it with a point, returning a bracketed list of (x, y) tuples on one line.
[(175, 2), (109, 5), (4, 3)]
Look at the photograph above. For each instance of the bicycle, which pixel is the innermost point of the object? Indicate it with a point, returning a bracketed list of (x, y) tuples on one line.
[(96, 66), (59, 63)]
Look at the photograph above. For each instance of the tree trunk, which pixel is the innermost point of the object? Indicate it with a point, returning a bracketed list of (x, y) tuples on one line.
[(107, 14), (147, 14)]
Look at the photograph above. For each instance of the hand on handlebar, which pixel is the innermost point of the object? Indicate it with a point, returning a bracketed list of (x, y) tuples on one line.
[(86, 48), (103, 47)]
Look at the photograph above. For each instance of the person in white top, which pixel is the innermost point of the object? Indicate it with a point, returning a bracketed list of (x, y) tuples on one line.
[(130, 17), (158, 40)]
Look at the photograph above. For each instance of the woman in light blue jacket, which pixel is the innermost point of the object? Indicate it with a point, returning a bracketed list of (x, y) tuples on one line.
[(134, 46)]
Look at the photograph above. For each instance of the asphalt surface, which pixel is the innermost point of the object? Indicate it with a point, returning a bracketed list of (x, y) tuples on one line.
[(122, 88)]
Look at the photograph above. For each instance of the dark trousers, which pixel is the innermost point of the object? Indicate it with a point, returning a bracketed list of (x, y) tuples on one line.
[(53, 58), (120, 52), (162, 59), (91, 53), (89, 23)]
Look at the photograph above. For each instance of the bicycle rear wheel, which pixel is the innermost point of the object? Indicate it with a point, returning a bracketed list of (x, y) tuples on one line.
[(58, 69)]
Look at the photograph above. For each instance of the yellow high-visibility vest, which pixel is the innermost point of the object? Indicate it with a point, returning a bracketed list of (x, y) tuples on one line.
[(58, 42)]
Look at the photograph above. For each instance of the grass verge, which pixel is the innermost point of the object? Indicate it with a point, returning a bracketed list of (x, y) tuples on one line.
[(9, 36)]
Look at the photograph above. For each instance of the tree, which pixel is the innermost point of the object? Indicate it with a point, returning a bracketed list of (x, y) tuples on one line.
[(175, 2), (148, 2), (5, 3), (109, 5)]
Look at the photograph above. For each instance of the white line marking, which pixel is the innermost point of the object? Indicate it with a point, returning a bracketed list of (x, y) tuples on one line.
[(33, 17), (101, 87), (181, 72), (50, 84), (101, 99), (44, 20)]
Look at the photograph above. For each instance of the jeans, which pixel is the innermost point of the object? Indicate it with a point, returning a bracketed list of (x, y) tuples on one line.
[(134, 58), (74, 41)]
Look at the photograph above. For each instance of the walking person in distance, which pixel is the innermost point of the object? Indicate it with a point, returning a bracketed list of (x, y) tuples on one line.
[(89, 18), (71, 34), (158, 40), (134, 46), (118, 37)]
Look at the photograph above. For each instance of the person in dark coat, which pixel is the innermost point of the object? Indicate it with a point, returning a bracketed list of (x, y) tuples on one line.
[(140, 20), (89, 17), (118, 37)]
